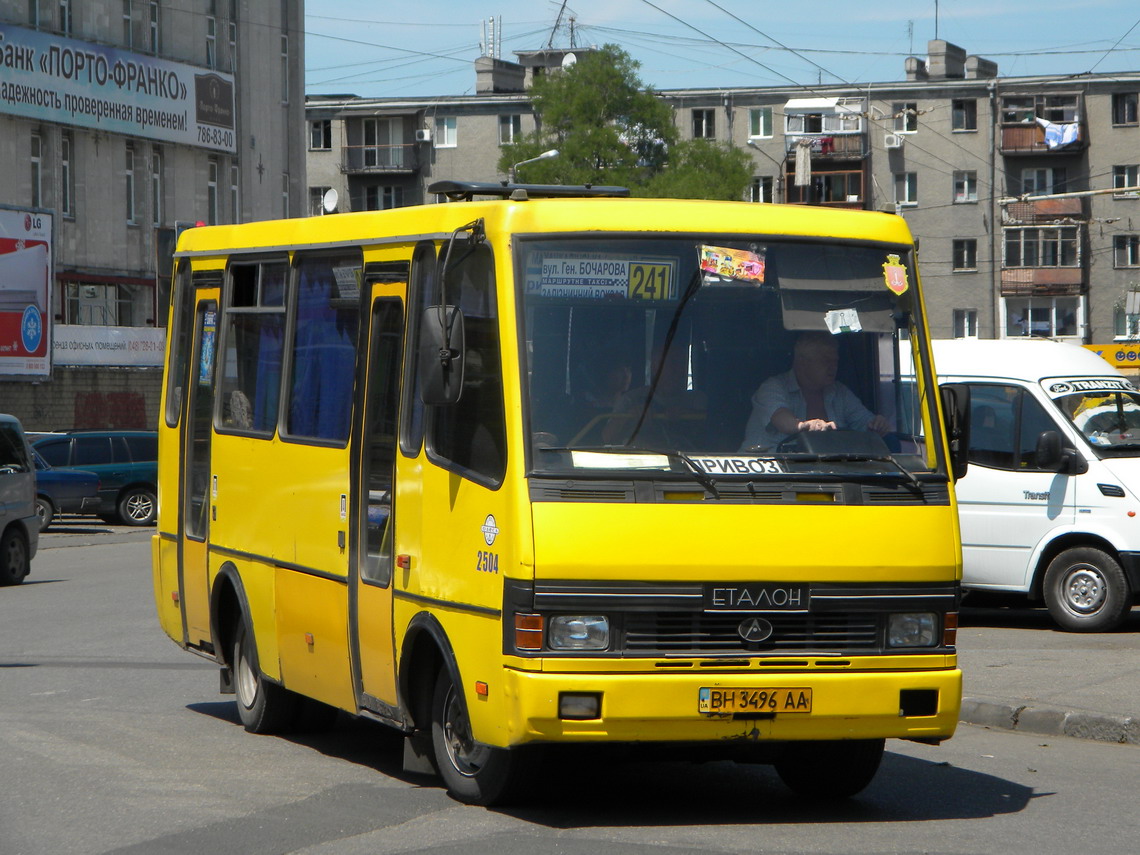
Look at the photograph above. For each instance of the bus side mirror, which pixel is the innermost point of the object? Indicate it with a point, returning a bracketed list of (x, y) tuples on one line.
[(955, 408), (440, 358), (1054, 457)]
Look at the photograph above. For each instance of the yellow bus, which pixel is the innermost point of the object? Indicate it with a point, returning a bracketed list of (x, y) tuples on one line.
[(499, 472)]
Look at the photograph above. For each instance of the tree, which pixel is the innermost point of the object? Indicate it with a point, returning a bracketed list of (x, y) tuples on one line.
[(610, 129)]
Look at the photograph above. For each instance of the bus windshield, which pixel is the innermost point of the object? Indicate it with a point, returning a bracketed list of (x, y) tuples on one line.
[(721, 357)]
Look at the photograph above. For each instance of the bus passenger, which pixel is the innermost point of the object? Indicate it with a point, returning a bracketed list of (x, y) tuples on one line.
[(807, 398)]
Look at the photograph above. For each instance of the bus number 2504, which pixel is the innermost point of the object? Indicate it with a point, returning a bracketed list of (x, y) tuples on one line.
[(487, 562)]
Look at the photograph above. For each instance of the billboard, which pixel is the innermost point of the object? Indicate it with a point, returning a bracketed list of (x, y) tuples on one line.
[(57, 79), (25, 294)]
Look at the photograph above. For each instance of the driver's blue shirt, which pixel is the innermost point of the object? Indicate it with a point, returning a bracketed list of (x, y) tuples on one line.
[(841, 405)]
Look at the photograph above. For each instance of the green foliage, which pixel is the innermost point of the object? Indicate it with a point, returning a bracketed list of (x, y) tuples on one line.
[(610, 129)]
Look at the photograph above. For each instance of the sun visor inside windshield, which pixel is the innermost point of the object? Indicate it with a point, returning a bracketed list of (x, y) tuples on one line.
[(808, 310)]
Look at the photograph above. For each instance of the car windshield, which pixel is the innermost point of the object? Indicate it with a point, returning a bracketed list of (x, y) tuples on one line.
[(1106, 412), (727, 357)]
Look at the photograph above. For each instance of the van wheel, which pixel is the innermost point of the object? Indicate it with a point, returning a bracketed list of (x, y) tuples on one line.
[(474, 773), (1086, 591), (138, 506), (263, 707), (14, 561), (830, 770), (45, 510)]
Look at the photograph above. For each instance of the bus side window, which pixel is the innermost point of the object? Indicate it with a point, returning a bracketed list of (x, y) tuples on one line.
[(472, 433), (422, 291)]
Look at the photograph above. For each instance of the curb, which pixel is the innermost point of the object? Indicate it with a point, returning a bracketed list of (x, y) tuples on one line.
[(1052, 721)]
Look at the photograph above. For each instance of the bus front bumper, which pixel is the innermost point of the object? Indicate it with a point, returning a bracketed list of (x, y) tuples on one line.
[(548, 707)]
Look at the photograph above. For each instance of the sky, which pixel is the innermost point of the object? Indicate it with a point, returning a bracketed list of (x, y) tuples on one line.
[(388, 49)]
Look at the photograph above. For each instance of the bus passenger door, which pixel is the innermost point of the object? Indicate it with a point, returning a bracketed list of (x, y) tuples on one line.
[(194, 489), (374, 512)]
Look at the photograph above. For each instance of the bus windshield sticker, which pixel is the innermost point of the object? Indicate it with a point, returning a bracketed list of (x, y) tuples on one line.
[(628, 460), (894, 274), (843, 321), (733, 264), (600, 276), (348, 282), (738, 465)]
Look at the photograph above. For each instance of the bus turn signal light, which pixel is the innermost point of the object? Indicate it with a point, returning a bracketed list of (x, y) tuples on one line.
[(528, 632)]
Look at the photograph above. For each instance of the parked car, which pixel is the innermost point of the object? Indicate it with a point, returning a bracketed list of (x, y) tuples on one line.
[(125, 461), (63, 491), (1047, 507), (19, 527)]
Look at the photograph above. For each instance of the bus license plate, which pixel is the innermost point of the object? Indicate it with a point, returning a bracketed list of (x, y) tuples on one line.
[(782, 700)]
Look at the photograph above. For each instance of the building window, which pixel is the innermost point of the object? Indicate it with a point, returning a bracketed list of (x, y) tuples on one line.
[(156, 206), (1043, 181), (233, 24), (317, 200), (906, 117), (155, 29), (320, 135), (1126, 251), (128, 24), (129, 181), (235, 193), (445, 132), (965, 323), (1124, 108), (1042, 316), (1126, 176), (803, 123), (212, 192), (1059, 109), (37, 195), (381, 197), (510, 128), (284, 69), (964, 114), (34, 13), (67, 180), (965, 187), (761, 189), (965, 254), (704, 124), (1042, 247), (211, 34), (906, 188), (65, 22), (760, 123), (285, 195)]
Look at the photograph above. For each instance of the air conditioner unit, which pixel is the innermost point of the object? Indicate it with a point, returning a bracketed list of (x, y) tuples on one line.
[(892, 141), (423, 135)]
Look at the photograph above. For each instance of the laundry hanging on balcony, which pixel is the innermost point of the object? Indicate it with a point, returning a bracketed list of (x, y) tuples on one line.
[(1059, 135), (803, 162)]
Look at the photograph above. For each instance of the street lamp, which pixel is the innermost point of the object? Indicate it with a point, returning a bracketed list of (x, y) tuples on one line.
[(546, 155)]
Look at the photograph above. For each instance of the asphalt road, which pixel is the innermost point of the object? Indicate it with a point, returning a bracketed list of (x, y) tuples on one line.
[(114, 740)]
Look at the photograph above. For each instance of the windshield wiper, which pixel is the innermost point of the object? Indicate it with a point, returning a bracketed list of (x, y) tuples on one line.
[(687, 463), (910, 478)]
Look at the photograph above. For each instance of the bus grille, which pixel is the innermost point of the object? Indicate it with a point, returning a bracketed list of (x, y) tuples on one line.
[(679, 633)]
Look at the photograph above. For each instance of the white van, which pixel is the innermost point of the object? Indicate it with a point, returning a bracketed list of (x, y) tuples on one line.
[(1048, 507), (19, 523)]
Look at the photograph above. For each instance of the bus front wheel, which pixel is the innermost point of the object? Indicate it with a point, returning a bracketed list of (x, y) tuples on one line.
[(473, 773), (830, 770), (263, 707)]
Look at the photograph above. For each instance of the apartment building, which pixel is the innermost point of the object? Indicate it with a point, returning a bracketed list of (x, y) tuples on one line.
[(121, 122), (1021, 190)]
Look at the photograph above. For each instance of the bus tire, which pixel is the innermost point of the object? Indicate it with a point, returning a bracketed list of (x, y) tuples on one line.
[(263, 707), (14, 561), (474, 773), (1086, 591), (830, 769)]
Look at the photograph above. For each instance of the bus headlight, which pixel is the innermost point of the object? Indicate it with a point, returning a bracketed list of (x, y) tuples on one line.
[(578, 632), (912, 629)]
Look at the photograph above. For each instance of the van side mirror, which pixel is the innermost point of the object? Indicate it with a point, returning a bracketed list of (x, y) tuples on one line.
[(440, 357), (955, 408), (1053, 456)]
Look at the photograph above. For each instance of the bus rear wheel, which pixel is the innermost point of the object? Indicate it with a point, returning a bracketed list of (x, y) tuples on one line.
[(263, 707), (473, 773), (830, 770)]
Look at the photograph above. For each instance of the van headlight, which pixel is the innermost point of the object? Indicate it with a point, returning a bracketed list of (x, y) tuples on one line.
[(912, 629), (578, 632)]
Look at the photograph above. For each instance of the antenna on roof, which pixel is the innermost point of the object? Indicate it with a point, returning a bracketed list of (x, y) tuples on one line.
[(557, 24)]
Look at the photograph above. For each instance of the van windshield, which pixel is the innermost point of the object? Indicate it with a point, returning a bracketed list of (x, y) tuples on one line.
[(1109, 419), (721, 356)]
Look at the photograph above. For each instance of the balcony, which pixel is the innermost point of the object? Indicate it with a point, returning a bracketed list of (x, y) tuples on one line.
[(379, 159), (839, 146), (1040, 212), (1042, 281), (1023, 139)]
